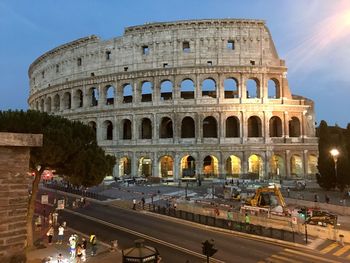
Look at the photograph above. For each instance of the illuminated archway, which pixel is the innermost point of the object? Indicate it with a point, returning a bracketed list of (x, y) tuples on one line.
[(166, 164), (124, 166), (233, 166), (145, 167), (277, 167), (188, 166), (296, 166), (210, 166), (312, 164), (255, 165)]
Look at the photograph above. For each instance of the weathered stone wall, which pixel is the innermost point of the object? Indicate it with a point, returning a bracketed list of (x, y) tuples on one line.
[(14, 182)]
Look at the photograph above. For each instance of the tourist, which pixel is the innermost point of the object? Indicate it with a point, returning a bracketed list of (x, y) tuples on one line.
[(50, 234), (93, 243), (134, 204), (72, 246), (60, 234)]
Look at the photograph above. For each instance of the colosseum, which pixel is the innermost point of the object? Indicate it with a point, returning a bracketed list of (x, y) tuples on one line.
[(198, 98)]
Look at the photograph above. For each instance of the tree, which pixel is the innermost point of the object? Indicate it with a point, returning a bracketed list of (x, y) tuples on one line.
[(69, 147)]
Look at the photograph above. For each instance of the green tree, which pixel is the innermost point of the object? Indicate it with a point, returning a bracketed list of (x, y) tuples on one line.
[(69, 147)]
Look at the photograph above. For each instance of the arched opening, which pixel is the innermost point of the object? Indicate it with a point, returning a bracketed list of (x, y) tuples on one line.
[(255, 166), (187, 128), (42, 105), (209, 88), (188, 166), (296, 166), (233, 166), (146, 129), (252, 89), (231, 88), (166, 90), (232, 127), (277, 167), (273, 89), (210, 129), (210, 166), (48, 104), (254, 127), (67, 100), (108, 130), (127, 93), (109, 94), (312, 164), (187, 89), (92, 124), (78, 98), (94, 96), (166, 164), (275, 124), (124, 166), (127, 134), (37, 105), (146, 91), (294, 127), (56, 102), (166, 128), (145, 167)]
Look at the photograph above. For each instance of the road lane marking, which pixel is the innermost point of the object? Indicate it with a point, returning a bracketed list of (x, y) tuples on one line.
[(329, 248), (156, 240), (310, 256), (286, 257), (342, 251)]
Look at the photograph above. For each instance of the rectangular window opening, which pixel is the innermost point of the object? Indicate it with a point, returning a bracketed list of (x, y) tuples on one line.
[(43, 74), (79, 62), (231, 44), (165, 65), (57, 68), (145, 50), (126, 69), (252, 62), (209, 63), (108, 55), (92, 74), (186, 46)]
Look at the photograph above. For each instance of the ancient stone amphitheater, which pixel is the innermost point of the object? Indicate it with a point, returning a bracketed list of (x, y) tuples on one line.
[(198, 98)]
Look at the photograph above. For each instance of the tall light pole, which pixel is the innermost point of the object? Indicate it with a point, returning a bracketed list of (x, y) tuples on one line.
[(335, 153)]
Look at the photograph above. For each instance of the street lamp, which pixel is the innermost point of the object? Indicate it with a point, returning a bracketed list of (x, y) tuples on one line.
[(335, 153)]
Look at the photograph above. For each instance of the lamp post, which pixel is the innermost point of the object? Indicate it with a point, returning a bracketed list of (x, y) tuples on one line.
[(335, 153)]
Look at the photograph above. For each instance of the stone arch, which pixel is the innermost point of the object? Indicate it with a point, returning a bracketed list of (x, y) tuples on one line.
[(78, 98), (94, 96), (109, 93), (255, 166), (187, 127), (127, 93), (231, 88), (210, 127), (188, 166), (166, 90), (312, 162), (42, 105), (209, 88), (146, 91), (67, 101), (254, 127), (296, 166), (48, 104), (166, 128), (273, 89), (145, 166), (275, 124), (127, 129), (210, 166), (232, 127), (124, 166), (187, 89), (93, 125), (37, 105), (166, 166), (56, 103), (146, 129), (107, 130), (252, 88), (277, 167), (294, 127), (233, 166)]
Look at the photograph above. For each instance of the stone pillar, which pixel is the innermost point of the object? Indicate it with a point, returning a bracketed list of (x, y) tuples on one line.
[(266, 126), (244, 162), (286, 124), (134, 164), (176, 167), (116, 168), (242, 88), (198, 90), (14, 166), (305, 162), (243, 127), (198, 128), (287, 163)]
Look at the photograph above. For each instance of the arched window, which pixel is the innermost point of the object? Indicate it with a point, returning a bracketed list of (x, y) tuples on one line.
[(231, 88), (275, 125), (254, 127), (273, 89), (127, 93), (166, 90), (294, 127), (48, 104), (37, 105), (312, 164), (166, 128), (94, 96), (78, 98), (56, 102), (127, 134), (108, 126), (166, 164), (42, 105), (188, 166), (253, 90), (124, 166), (187, 89), (255, 165), (233, 166), (210, 129), (92, 124), (67, 101), (146, 91), (187, 128), (232, 127), (146, 129), (109, 94), (145, 166), (210, 166), (296, 166), (277, 167), (209, 88)]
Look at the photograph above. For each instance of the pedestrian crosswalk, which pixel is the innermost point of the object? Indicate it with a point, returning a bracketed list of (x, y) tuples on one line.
[(335, 249)]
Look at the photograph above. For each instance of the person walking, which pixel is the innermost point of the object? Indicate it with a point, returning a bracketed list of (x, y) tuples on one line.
[(83, 251), (72, 246), (247, 222), (60, 234), (143, 201), (50, 234), (93, 244), (79, 254), (134, 204)]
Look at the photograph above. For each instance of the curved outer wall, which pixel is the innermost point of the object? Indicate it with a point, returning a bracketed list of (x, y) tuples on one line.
[(140, 123)]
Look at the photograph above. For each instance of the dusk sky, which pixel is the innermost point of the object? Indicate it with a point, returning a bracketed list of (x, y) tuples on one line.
[(313, 36)]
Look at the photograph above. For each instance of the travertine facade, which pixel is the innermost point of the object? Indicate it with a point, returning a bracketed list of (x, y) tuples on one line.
[(201, 97)]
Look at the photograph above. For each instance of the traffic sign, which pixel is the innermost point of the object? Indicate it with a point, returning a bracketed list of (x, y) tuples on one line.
[(44, 199), (60, 204)]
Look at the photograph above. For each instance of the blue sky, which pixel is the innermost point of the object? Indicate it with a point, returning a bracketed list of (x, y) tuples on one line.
[(313, 36)]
